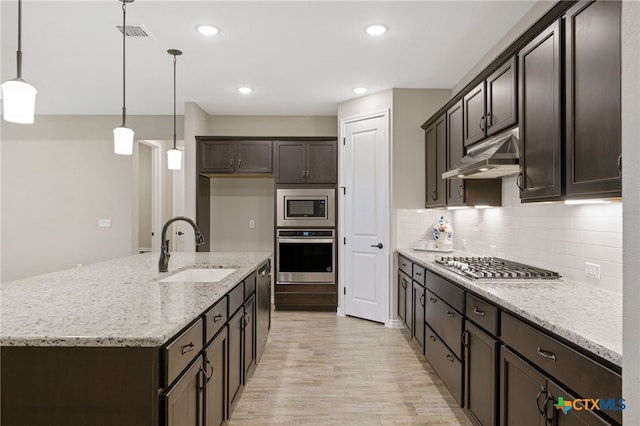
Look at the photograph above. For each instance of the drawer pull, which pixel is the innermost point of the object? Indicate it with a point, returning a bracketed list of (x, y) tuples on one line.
[(433, 300), (541, 393), (449, 358), (188, 348), (422, 300), (419, 274), (432, 338), (450, 314), (217, 318), (202, 379), (546, 354), (478, 312)]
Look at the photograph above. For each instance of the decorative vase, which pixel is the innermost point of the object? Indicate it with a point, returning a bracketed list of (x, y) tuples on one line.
[(443, 234)]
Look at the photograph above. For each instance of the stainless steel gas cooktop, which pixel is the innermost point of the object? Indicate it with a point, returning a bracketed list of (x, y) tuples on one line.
[(494, 268)]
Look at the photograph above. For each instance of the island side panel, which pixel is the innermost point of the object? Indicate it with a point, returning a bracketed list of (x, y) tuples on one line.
[(79, 386)]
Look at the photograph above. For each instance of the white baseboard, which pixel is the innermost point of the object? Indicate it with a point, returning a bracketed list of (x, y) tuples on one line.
[(393, 323)]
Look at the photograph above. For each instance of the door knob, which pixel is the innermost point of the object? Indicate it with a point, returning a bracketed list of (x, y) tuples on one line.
[(379, 245)]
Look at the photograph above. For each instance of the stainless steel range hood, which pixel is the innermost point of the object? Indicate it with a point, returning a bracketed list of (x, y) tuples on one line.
[(493, 158)]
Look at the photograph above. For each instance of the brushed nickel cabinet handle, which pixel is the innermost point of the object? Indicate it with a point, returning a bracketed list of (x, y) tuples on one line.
[(450, 314), (432, 338), (433, 300), (478, 312), (434, 195), (217, 318), (188, 348), (481, 121), (231, 162), (540, 393), (546, 354), (461, 190), (449, 358), (519, 180), (210, 375)]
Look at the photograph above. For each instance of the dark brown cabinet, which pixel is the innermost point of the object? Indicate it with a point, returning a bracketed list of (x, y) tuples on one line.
[(418, 314), (306, 162), (436, 157), (236, 363), (249, 335), (183, 401), (480, 375), (234, 156), (216, 365), (490, 107), (263, 308), (455, 151), (593, 99), (540, 116)]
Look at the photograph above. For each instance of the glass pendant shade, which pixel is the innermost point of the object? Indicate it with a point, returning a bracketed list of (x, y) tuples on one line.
[(123, 140), (174, 159), (19, 101)]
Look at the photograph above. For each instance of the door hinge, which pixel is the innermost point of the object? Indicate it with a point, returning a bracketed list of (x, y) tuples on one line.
[(345, 290), (344, 241)]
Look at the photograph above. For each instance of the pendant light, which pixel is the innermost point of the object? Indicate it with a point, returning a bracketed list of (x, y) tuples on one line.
[(123, 136), (174, 155), (19, 97)]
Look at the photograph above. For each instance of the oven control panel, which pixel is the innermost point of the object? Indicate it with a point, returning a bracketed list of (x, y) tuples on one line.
[(310, 233)]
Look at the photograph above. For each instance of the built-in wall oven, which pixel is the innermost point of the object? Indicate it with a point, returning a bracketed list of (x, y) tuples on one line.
[(305, 207), (306, 256)]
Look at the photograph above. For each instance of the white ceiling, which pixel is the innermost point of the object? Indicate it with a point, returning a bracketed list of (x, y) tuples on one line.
[(301, 58)]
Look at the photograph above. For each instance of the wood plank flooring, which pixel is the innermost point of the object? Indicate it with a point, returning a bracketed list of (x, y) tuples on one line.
[(321, 369)]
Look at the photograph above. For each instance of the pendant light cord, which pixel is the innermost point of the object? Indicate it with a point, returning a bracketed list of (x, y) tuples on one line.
[(19, 52), (174, 101), (124, 78)]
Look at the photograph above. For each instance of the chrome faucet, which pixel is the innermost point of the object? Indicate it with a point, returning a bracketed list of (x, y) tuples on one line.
[(163, 263)]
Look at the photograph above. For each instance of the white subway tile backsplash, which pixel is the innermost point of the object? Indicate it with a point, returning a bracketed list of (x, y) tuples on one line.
[(549, 235)]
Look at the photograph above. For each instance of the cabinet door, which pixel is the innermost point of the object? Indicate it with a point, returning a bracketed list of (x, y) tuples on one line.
[(572, 417), (480, 375), (263, 309), (216, 157), (403, 283), (321, 162), (418, 314), (522, 392), (502, 91), (540, 116), (249, 337), (436, 158), (290, 162), (455, 151), (183, 401), (236, 365), (474, 115), (593, 99), (215, 407), (253, 156)]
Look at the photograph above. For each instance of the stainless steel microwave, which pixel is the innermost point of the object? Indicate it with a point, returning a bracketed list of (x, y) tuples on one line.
[(305, 207)]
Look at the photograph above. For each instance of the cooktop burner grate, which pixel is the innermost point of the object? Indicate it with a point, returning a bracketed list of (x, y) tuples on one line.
[(494, 268)]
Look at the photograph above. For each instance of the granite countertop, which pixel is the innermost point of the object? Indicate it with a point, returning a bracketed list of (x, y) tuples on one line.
[(584, 315), (114, 303)]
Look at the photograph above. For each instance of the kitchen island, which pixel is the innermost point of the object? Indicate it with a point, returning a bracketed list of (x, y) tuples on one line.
[(108, 343)]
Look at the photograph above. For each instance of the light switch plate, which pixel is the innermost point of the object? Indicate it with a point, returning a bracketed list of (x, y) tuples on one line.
[(104, 223)]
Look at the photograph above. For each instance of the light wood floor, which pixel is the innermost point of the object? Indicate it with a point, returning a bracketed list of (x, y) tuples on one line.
[(321, 369)]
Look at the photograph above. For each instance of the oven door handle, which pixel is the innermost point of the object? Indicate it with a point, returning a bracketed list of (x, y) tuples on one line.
[(306, 240)]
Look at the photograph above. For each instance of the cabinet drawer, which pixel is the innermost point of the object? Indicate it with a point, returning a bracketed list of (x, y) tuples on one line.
[(236, 298), (483, 314), (179, 353), (215, 318), (249, 285), (451, 294), (577, 372), (445, 321), (405, 265), (418, 274), (444, 362)]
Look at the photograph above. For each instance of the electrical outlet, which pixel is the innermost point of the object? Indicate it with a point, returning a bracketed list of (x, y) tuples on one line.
[(252, 223), (592, 270)]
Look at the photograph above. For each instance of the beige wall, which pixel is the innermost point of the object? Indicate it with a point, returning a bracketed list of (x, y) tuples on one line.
[(59, 176), (271, 125)]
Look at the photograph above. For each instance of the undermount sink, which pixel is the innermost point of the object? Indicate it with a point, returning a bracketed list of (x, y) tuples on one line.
[(199, 275)]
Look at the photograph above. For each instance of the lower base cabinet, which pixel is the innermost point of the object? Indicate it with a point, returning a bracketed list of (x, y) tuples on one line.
[(183, 401), (215, 405), (418, 315), (445, 364), (480, 375), (236, 364)]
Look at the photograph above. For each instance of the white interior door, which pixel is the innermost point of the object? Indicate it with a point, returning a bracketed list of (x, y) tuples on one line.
[(366, 218)]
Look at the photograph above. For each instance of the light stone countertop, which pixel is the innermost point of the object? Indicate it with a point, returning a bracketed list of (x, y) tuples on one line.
[(584, 315), (114, 303)]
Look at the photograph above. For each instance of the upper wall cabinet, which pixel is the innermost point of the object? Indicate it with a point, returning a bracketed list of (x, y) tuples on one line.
[(436, 155), (490, 107), (593, 99), (234, 156), (540, 118), (306, 162)]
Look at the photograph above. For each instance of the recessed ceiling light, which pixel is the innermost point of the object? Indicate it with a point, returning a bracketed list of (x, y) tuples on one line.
[(376, 30), (359, 90), (208, 30), (245, 90)]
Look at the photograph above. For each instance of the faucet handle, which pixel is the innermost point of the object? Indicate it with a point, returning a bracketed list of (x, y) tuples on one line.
[(199, 238)]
